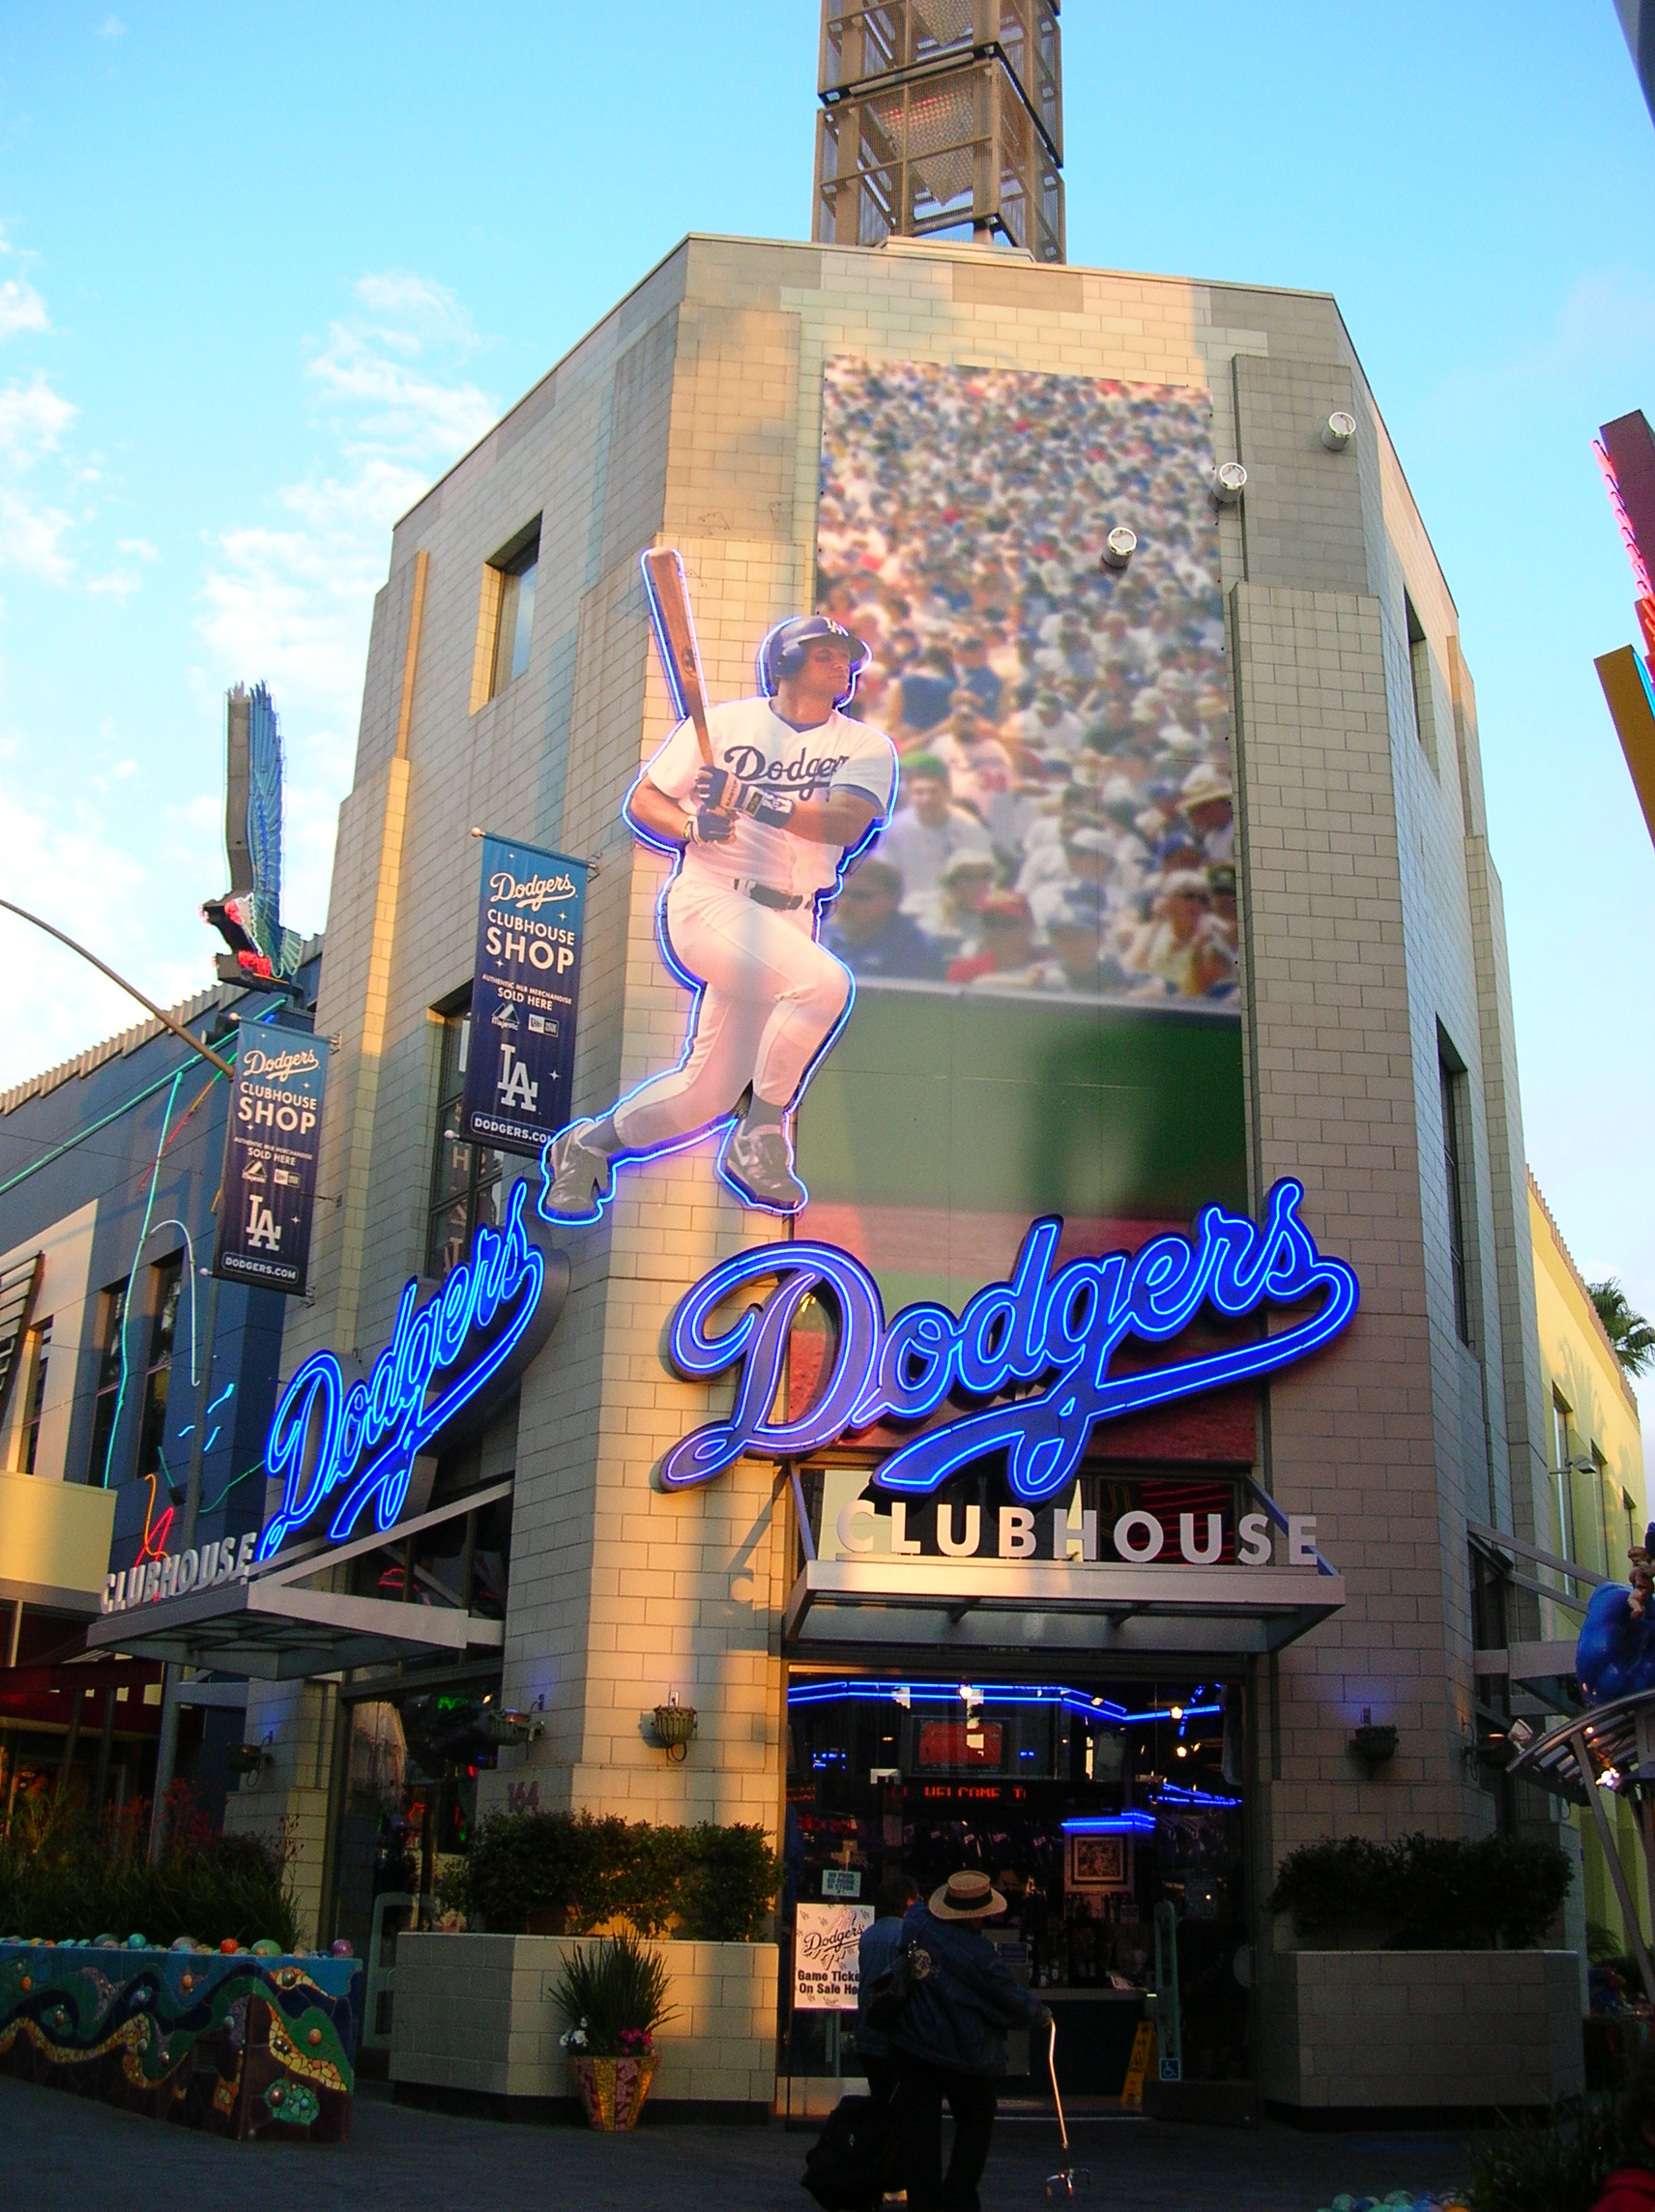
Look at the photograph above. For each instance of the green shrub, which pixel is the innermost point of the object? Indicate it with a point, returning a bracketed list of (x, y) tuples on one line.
[(614, 1997), (1561, 2168), (63, 1875), (1427, 1893), (731, 1878), (569, 1873)]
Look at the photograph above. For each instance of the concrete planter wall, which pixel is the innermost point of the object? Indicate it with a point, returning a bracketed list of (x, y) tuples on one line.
[(1411, 2029), (473, 2014)]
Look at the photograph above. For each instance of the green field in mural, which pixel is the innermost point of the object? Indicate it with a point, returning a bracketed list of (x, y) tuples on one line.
[(970, 1101)]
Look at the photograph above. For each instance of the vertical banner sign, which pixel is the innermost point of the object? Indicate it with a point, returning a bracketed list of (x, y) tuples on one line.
[(270, 1146), (520, 1062)]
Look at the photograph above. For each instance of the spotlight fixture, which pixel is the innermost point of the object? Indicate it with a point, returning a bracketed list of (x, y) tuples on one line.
[(1339, 431), (1229, 482), (1119, 546)]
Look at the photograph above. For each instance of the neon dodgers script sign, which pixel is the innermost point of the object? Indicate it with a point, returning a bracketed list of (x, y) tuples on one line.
[(447, 1361), (1058, 1333)]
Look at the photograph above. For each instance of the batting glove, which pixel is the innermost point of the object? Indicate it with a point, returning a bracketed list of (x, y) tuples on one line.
[(707, 827), (711, 786), (766, 806)]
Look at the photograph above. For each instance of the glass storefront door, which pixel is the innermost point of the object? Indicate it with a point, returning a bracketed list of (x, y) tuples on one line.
[(1096, 1809)]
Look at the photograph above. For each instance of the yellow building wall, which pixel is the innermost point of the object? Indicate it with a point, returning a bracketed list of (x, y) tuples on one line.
[(1591, 1414)]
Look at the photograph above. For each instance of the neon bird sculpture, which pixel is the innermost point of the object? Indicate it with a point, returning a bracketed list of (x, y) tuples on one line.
[(262, 955)]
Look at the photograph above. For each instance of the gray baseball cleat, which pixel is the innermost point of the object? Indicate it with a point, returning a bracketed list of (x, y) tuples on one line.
[(580, 1177), (759, 1164)]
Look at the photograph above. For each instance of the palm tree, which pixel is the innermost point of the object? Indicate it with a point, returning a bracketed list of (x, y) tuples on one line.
[(1632, 1337)]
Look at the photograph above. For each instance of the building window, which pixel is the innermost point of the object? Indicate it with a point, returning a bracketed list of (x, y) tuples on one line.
[(506, 616), (35, 1397), (167, 1282), (1562, 1420), (465, 1179), (1453, 1086), (108, 1402), (1419, 680)]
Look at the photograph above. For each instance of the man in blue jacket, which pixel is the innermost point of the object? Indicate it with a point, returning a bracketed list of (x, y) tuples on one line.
[(874, 1954), (950, 2040)]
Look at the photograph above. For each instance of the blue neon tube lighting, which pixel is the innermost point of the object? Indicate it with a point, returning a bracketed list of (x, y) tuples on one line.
[(1103, 1712)]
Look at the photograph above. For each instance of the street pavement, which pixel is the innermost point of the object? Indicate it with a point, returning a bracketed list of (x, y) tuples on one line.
[(63, 2155)]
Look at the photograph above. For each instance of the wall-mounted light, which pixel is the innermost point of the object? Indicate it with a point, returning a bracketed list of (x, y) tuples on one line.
[(1339, 431), (1229, 482), (1119, 546), (675, 1726), (1374, 1743)]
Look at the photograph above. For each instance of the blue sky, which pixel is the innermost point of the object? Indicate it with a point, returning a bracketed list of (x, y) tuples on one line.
[(264, 273)]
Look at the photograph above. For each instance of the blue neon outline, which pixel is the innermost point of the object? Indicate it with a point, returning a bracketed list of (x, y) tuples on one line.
[(696, 985), (322, 1373), (1101, 1712), (1110, 1825), (1237, 1267)]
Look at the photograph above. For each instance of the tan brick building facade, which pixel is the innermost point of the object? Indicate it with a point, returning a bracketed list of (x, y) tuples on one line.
[(1373, 960)]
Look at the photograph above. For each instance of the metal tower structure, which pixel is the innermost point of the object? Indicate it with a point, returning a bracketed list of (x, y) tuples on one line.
[(941, 119)]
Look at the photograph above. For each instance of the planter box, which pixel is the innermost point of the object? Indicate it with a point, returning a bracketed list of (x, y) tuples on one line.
[(471, 2016), (1459, 2030)]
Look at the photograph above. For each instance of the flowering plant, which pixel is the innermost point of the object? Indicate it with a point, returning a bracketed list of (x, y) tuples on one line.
[(613, 1993)]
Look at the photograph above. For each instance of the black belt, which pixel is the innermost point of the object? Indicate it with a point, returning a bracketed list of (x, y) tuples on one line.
[(762, 896)]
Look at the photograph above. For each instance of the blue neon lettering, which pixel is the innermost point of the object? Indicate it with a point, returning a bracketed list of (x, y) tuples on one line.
[(322, 1431), (759, 1340), (1064, 1331)]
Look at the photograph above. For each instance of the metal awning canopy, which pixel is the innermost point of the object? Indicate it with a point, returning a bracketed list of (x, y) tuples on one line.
[(978, 1606), (271, 1629)]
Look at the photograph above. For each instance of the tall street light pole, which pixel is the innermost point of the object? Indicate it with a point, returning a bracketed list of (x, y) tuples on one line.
[(204, 1051)]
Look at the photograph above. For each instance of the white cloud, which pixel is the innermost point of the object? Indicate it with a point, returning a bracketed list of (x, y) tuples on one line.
[(21, 309), (111, 28), (29, 539), (418, 412), (288, 597), (33, 419), (139, 548), (118, 584), (52, 1004)]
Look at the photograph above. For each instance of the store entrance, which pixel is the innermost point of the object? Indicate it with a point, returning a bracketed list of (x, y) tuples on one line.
[(405, 1818), (1108, 1812)]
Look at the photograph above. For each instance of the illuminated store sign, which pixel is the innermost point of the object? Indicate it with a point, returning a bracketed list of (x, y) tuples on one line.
[(1058, 1332), (202, 1568), (352, 1444)]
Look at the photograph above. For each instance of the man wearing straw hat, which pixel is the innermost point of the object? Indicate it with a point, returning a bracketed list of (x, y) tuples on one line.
[(949, 2042)]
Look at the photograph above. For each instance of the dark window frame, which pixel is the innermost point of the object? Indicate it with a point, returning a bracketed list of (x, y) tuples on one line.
[(1451, 1084), (166, 1291), (112, 1316), (34, 1400), (467, 1180), (516, 567)]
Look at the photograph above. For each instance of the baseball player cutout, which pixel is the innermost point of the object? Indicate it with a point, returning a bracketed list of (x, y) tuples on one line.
[(796, 788)]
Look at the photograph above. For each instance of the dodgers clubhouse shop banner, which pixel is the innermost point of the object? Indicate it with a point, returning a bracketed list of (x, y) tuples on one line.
[(272, 1142), (519, 1075)]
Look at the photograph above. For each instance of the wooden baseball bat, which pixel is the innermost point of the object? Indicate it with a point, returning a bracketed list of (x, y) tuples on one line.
[(675, 639)]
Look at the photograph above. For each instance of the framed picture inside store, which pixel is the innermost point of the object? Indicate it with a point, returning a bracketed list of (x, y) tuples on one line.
[(1099, 1862)]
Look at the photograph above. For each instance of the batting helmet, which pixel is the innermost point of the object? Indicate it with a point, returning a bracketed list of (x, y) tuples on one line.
[(782, 653)]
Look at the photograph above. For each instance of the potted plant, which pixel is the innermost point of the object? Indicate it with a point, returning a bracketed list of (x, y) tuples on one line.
[(613, 1993)]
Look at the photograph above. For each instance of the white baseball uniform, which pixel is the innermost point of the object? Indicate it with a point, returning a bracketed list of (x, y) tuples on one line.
[(771, 995)]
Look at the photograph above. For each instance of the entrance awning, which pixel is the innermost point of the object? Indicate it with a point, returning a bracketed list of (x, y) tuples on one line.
[(975, 1606), (273, 1629)]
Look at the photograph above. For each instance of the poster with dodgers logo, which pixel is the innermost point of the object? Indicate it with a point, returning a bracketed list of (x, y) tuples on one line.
[(826, 1942), (519, 1073), (272, 1142)]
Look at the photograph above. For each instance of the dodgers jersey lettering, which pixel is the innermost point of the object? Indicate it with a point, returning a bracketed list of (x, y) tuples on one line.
[(755, 745)]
